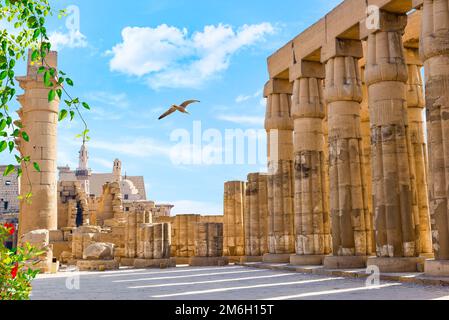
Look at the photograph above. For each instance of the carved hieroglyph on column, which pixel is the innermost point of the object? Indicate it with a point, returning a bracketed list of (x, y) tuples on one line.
[(435, 54), (234, 231), (279, 126), (365, 128), (40, 120), (256, 214), (350, 215), (419, 163), (386, 77), (312, 225)]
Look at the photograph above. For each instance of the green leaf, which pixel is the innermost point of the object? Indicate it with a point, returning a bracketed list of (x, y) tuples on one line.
[(59, 92), (11, 146), (3, 145), (9, 169), (51, 95), (36, 34), (3, 74), (25, 136), (34, 55), (47, 76), (2, 124), (62, 114), (86, 106), (36, 166), (41, 69), (69, 81), (72, 115)]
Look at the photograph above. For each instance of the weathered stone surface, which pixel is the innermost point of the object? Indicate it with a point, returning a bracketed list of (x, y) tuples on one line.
[(40, 240), (279, 126), (40, 120), (233, 227), (99, 251), (345, 262), (311, 204), (434, 50), (208, 239), (256, 215), (306, 260), (386, 77), (396, 265), (154, 263), (208, 261), (351, 218), (418, 154), (97, 265)]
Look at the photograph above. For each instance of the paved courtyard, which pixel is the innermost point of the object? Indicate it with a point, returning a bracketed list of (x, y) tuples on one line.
[(219, 283)]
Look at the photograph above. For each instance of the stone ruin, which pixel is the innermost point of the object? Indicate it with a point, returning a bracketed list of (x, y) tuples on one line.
[(351, 182), (208, 245)]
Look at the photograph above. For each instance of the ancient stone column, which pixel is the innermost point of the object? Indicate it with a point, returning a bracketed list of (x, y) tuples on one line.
[(386, 77), (255, 218), (365, 128), (312, 225), (434, 51), (184, 235), (153, 246), (350, 215), (279, 126), (234, 230), (134, 220), (419, 163), (208, 245), (40, 120)]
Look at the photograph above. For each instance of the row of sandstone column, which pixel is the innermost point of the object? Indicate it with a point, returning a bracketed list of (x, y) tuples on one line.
[(348, 165)]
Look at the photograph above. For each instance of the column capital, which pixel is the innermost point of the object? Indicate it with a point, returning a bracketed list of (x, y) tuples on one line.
[(341, 48), (307, 69), (279, 86), (387, 22)]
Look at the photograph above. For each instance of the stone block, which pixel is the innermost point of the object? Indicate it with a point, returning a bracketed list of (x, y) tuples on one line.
[(307, 260), (436, 268), (155, 263), (208, 261), (56, 235), (97, 265), (396, 265), (345, 262), (276, 258), (127, 262), (99, 251)]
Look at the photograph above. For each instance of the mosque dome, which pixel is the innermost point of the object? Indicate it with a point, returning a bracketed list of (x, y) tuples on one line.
[(129, 190)]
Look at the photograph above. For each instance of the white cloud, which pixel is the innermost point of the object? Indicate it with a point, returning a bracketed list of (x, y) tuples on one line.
[(168, 57), (66, 159), (139, 147), (243, 98), (196, 207), (71, 39), (245, 120), (102, 162), (111, 99)]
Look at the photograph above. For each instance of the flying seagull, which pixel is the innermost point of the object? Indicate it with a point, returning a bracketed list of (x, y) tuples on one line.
[(181, 108)]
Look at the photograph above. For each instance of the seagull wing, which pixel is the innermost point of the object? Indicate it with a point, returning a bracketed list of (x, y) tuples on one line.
[(188, 102), (169, 112)]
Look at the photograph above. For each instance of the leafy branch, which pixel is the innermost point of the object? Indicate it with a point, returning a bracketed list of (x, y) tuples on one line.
[(27, 19)]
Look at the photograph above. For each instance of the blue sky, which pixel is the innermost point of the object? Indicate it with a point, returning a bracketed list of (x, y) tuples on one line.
[(132, 60)]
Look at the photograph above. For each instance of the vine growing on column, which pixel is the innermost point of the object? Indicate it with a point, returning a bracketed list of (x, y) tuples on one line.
[(26, 30)]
